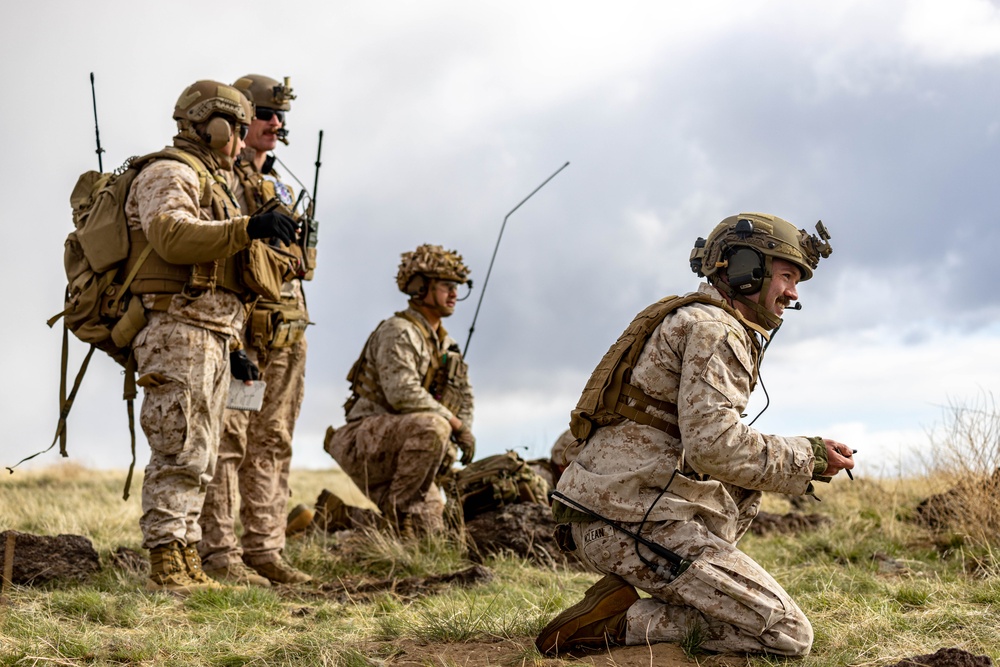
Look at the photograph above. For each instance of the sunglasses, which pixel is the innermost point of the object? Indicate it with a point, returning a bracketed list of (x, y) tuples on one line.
[(243, 131), (267, 114)]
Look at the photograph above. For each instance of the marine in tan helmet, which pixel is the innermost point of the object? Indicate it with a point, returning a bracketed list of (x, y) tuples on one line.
[(256, 448), (411, 402), (667, 477), (189, 240)]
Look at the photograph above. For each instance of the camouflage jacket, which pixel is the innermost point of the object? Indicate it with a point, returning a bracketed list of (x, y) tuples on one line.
[(705, 361), (164, 203), (398, 357)]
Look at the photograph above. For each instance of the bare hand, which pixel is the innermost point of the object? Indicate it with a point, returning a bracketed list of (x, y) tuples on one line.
[(838, 456)]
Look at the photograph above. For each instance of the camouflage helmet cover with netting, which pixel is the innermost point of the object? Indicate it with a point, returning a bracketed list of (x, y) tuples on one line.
[(767, 234), (431, 261), (203, 99), (266, 92)]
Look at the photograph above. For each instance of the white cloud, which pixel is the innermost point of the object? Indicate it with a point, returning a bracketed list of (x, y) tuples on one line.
[(954, 33)]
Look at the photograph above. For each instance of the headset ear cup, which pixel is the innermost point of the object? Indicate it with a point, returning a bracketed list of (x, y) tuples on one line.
[(218, 131), (745, 270)]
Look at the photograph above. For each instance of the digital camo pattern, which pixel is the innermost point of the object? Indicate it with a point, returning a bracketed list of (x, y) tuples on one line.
[(255, 455), (703, 360), (399, 356), (184, 372), (737, 604), (394, 460), (256, 452), (700, 498), (164, 203)]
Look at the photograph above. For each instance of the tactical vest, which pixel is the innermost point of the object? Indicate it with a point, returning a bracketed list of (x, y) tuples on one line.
[(605, 398), (257, 191), (446, 374), (155, 275)]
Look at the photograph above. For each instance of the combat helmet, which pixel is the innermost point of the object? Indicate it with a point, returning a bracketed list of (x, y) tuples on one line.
[(429, 261), (202, 111), (745, 246), (268, 93)]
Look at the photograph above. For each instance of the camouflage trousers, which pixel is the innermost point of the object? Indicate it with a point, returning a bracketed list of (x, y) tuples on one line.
[(737, 604), (184, 372), (394, 460), (254, 457)]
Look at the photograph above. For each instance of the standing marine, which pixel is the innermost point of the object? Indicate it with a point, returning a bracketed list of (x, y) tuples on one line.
[(256, 449), (410, 398), (189, 240), (667, 477)]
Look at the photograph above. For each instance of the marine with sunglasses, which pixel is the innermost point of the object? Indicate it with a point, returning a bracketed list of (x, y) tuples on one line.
[(256, 448), (186, 229)]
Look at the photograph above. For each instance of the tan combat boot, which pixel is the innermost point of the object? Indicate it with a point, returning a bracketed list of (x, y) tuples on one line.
[(192, 563), (237, 574), (331, 513), (167, 571), (299, 521), (280, 572), (596, 621)]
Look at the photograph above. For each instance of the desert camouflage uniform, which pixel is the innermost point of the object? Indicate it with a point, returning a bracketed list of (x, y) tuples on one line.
[(255, 453), (183, 352), (394, 453), (705, 361)]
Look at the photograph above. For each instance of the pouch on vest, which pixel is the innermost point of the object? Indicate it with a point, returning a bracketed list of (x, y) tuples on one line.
[(264, 269), (276, 325)]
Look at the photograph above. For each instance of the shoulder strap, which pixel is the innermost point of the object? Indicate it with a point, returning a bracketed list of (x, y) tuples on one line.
[(170, 153)]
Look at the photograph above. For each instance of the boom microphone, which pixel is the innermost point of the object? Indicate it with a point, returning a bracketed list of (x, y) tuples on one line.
[(797, 306)]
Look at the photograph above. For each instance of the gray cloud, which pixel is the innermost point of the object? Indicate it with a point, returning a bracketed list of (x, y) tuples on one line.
[(440, 117)]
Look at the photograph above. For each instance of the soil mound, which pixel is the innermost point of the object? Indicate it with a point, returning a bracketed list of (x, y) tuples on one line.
[(42, 558), (947, 657), (523, 529)]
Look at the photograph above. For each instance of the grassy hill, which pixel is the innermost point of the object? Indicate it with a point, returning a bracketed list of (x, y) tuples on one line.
[(877, 585)]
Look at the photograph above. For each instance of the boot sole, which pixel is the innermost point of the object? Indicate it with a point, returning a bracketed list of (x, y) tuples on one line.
[(611, 595)]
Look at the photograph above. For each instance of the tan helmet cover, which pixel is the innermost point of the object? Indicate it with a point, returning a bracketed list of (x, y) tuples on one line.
[(770, 236), (202, 99), (430, 261), (266, 92)]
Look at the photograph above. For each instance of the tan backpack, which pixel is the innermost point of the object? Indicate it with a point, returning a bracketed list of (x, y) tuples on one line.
[(99, 309), (493, 482)]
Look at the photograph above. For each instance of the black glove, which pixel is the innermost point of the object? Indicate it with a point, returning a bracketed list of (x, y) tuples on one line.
[(272, 224), (467, 443), (241, 367)]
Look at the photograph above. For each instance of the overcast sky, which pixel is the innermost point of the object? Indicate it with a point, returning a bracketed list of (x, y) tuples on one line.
[(881, 119)]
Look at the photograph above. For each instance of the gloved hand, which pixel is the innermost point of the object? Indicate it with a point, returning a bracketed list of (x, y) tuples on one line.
[(272, 224), (241, 367), (467, 443)]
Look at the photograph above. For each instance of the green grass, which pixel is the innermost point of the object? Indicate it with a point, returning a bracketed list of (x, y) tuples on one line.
[(876, 586)]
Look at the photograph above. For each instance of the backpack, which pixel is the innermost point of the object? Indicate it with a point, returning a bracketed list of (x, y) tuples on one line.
[(496, 481), (99, 309)]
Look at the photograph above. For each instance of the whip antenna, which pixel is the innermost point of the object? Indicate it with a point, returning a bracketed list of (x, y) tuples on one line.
[(97, 129), (497, 247)]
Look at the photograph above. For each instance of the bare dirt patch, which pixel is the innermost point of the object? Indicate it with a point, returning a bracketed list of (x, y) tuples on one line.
[(519, 651)]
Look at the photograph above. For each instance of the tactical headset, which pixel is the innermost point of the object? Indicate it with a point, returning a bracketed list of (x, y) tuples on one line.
[(218, 131)]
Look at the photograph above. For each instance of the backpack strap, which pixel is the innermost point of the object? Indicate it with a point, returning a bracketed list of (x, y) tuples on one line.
[(169, 153)]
